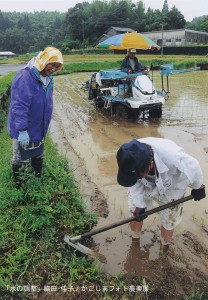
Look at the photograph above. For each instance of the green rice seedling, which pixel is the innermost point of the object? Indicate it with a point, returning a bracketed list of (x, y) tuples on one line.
[(121, 211), (179, 230)]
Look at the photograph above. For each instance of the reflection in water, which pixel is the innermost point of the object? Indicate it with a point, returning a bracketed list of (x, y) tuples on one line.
[(188, 105), (137, 259), (140, 252)]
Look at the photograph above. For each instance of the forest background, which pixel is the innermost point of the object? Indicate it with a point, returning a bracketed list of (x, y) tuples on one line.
[(83, 24)]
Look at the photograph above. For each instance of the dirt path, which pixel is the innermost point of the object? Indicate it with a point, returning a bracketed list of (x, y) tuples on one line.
[(90, 139)]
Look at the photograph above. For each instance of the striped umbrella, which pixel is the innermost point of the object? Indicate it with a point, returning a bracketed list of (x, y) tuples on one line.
[(127, 41)]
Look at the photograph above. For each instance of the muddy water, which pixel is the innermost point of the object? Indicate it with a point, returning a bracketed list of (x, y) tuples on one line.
[(95, 138)]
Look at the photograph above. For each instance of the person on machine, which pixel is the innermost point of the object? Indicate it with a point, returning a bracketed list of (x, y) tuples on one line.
[(130, 63)]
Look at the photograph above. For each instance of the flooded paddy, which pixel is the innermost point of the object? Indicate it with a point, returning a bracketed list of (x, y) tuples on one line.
[(90, 139)]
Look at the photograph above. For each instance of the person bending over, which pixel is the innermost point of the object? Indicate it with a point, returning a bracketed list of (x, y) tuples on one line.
[(157, 169)]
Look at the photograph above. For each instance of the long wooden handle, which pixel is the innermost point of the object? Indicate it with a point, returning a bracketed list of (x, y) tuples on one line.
[(128, 220)]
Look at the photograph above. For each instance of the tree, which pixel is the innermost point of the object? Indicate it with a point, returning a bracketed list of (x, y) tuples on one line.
[(175, 19), (2, 22), (83, 24), (25, 32), (139, 17), (165, 8), (202, 25), (199, 23), (123, 10), (16, 40), (73, 22), (154, 20), (97, 18), (24, 23)]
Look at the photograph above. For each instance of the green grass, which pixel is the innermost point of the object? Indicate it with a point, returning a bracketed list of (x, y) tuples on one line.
[(196, 295), (108, 58), (5, 82), (88, 66), (85, 63)]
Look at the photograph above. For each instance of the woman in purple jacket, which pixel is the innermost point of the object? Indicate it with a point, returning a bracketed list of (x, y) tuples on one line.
[(31, 109)]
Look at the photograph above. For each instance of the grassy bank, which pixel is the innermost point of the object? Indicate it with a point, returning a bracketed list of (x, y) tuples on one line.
[(87, 62), (114, 62), (5, 82)]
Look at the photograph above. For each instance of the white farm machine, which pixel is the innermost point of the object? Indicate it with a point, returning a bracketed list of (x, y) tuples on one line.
[(127, 95)]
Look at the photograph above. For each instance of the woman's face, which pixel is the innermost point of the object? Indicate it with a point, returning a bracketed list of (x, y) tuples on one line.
[(50, 69)]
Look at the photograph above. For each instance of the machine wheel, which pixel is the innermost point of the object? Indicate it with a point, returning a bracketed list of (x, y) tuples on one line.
[(155, 113), (122, 112), (134, 113)]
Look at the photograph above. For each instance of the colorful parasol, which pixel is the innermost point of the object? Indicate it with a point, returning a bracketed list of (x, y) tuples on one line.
[(127, 41)]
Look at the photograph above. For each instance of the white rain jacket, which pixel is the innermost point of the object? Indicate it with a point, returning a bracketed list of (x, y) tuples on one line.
[(177, 171)]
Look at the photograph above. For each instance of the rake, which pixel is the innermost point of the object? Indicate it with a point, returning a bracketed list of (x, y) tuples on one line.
[(73, 241)]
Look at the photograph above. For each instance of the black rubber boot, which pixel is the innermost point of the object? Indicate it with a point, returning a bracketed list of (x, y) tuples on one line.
[(37, 163), (17, 174)]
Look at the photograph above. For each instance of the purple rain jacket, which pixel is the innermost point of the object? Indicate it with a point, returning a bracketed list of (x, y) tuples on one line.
[(31, 105)]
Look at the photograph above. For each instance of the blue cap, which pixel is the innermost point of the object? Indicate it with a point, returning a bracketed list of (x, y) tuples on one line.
[(131, 158)]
